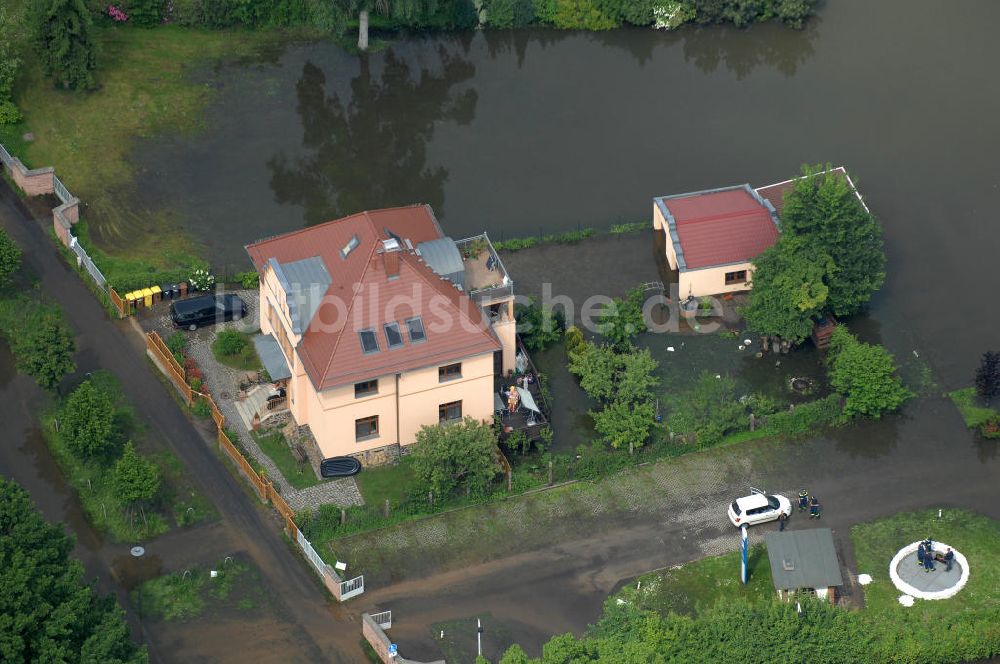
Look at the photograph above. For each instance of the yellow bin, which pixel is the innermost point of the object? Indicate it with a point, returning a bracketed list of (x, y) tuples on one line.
[(156, 293), (147, 296), (131, 298)]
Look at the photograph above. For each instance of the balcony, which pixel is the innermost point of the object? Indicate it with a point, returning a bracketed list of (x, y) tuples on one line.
[(486, 279)]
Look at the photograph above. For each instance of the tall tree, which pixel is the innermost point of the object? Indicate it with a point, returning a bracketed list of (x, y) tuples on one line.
[(823, 209), (43, 345), (450, 457), (63, 43), (86, 421), (988, 375), (137, 480), (788, 289), (10, 61), (622, 320), (46, 613)]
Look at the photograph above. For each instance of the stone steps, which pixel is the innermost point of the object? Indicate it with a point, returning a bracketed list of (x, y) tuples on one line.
[(254, 404)]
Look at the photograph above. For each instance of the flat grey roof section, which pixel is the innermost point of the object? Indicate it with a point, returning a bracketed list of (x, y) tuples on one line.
[(803, 559), (271, 356), (305, 282), (443, 257)]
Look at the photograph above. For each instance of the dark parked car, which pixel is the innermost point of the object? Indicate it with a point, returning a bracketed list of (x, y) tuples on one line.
[(195, 312)]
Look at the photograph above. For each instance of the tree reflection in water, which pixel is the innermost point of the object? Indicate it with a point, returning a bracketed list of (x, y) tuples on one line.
[(358, 157)]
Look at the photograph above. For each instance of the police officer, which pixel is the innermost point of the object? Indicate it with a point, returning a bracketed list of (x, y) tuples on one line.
[(803, 500), (921, 552), (814, 508), (949, 559)]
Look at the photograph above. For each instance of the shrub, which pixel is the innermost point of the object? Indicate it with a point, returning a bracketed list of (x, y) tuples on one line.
[(10, 257), (248, 279), (201, 408), (538, 326), (581, 15), (201, 279), (145, 13), (865, 375), (574, 339), (459, 455), (516, 243), (230, 342), (806, 417), (177, 342), (9, 113)]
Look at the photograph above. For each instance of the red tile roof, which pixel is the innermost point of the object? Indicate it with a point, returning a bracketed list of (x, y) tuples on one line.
[(719, 227), (362, 296)]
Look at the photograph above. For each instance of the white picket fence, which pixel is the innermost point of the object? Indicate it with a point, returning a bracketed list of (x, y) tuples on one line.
[(348, 589)]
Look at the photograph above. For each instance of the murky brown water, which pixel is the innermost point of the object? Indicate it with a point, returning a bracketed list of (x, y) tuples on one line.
[(518, 132)]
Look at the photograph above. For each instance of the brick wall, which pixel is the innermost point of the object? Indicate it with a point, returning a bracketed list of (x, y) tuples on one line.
[(34, 182)]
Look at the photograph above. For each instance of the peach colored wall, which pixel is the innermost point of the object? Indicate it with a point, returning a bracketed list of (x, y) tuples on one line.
[(712, 280), (331, 414), (420, 394), (506, 332), (659, 223)]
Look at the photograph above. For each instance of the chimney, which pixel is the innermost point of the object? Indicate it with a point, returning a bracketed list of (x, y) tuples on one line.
[(390, 254)]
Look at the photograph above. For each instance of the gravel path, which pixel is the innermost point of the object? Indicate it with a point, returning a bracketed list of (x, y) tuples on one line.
[(222, 382)]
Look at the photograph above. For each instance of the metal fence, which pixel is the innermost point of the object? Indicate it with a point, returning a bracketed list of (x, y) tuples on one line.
[(87, 263), (5, 157), (383, 619), (349, 589), (60, 190)]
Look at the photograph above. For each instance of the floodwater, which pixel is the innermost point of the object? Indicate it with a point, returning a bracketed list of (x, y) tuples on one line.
[(529, 131)]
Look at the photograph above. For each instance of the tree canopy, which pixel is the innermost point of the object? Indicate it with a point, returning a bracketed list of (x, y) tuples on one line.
[(456, 456), (43, 345), (823, 209), (87, 421), (46, 614), (788, 290), (137, 480), (63, 42), (865, 375), (622, 320), (829, 258)]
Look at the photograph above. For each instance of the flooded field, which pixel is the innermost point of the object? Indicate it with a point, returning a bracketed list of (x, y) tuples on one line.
[(540, 131)]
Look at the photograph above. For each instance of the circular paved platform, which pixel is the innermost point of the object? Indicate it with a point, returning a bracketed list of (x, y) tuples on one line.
[(912, 579)]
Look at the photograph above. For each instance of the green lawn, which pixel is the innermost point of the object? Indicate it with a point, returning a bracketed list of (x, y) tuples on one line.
[(976, 536), (246, 358), (976, 416), (187, 594), (299, 474), (394, 482), (700, 585)]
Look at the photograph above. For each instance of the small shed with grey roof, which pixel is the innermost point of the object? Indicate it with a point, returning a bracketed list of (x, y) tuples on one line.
[(804, 560), (443, 257)]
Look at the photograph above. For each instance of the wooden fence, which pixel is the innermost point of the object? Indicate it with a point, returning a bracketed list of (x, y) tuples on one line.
[(263, 487)]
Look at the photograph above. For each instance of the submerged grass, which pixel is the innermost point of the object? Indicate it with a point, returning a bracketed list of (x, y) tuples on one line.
[(145, 89), (187, 594), (976, 416)]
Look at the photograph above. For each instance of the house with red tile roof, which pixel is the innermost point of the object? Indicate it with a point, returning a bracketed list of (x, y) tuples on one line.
[(378, 324), (711, 237)]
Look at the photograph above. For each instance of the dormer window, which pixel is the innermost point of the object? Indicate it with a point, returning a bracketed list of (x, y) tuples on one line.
[(415, 328), (393, 336), (351, 245), (369, 342)]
